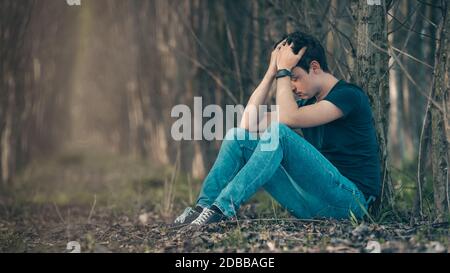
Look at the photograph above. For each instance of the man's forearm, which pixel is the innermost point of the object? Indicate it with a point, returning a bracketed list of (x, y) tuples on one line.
[(285, 100), (250, 117)]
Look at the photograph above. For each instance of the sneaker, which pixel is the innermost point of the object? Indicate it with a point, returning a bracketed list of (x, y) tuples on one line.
[(188, 215), (208, 216)]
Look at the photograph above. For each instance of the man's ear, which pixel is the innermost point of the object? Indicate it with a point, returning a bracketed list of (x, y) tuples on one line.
[(315, 66)]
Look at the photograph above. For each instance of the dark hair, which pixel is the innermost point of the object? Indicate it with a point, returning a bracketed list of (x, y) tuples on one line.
[(314, 51)]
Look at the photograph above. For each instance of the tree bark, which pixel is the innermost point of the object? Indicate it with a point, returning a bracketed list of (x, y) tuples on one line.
[(439, 143), (371, 73)]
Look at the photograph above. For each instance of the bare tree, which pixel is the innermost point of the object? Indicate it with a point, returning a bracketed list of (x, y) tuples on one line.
[(371, 73), (14, 19), (438, 117)]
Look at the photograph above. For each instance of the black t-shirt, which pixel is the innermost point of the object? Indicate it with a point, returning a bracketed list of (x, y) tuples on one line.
[(349, 143)]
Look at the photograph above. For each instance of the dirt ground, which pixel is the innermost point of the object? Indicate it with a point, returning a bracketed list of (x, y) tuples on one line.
[(111, 205)]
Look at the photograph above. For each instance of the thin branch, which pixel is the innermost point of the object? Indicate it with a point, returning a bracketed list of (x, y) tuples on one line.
[(408, 76), (211, 74), (412, 30), (58, 213), (236, 61), (423, 152), (411, 57), (429, 4), (402, 24), (92, 208)]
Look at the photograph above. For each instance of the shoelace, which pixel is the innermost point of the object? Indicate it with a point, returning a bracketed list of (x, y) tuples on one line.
[(182, 217), (201, 219)]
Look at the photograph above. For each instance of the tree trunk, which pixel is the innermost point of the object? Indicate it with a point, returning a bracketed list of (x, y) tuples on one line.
[(14, 19), (421, 111), (439, 144), (371, 73)]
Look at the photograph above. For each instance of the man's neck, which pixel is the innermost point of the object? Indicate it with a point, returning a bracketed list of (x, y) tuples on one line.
[(329, 81)]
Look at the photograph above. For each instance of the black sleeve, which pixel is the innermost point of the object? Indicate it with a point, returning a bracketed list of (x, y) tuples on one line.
[(346, 99)]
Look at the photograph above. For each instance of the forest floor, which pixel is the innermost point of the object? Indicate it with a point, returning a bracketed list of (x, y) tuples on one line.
[(110, 204)]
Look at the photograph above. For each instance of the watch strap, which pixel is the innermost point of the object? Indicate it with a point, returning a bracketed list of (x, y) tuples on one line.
[(283, 73)]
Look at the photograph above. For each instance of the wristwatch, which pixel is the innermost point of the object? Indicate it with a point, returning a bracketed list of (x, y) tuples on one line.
[(283, 73)]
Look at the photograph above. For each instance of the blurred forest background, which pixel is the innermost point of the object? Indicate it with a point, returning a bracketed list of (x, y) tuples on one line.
[(86, 93)]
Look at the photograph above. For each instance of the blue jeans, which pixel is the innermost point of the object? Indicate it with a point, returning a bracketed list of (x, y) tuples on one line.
[(294, 173)]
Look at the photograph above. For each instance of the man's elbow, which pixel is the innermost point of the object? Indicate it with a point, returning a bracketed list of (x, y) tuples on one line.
[(243, 125)]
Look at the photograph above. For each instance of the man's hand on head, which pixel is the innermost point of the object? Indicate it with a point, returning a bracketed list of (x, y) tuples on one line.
[(287, 59), (273, 59), (273, 63)]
